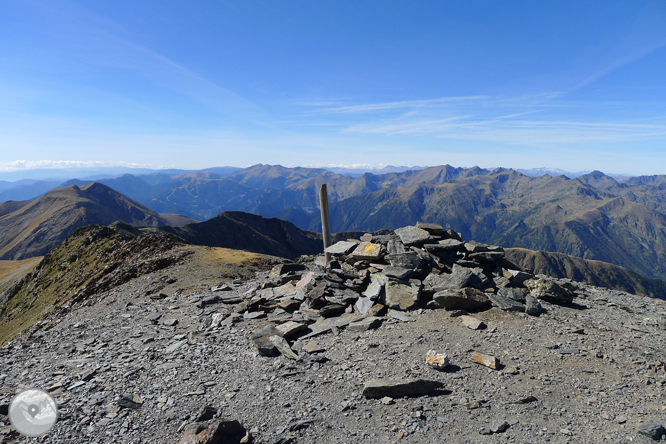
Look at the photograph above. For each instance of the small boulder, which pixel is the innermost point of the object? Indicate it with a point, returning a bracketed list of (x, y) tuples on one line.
[(397, 388), (413, 236)]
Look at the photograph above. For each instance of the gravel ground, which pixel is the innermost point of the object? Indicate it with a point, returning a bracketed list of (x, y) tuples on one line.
[(589, 371)]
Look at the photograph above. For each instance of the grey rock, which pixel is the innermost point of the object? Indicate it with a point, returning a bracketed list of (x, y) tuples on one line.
[(431, 228), (499, 426), (175, 346), (409, 260), (399, 315), (261, 340), (517, 277), (282, 346), (487, 256), (459, 277), (475, 247), (365, 324), (364, 305), (413, 236), (397, 272), (504, 303), (341, 248), (548, 289), (397, 388), (532, 306), (465, 299), (395, 247), (445, 245), (516, 294), (170, 322), (652, 430), (402, 296), (368, 251), (485, 431), (290, 328), (375, 289)]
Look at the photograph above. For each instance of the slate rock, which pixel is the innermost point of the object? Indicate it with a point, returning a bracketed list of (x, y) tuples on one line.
[(413, 236), (652, 430), (487, 256), (367, 251), (404, 297), (465, 299), (365, 324), (472, 322), (375, 289), (548, 289), (341, 248), (261, 340), (363, 305), (397, 272), (516, 294), (395, 247), (282, 346), (517, 277), (409, 260), (431, 228), (397, 388), (445, 245), (215, 431), (499, 426), (290, 328), (532, 306), (459, 277), (504, 303)]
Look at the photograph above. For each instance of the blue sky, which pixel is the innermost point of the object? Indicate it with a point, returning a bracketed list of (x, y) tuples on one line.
[(565, 84)]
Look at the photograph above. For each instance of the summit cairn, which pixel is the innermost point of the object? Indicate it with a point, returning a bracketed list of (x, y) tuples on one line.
[(384, 276)]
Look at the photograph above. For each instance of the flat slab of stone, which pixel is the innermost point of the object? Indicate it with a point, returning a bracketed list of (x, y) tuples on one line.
[(325, 325), (375, 289), (472, 322), (431, 228), (282, 346), (451, 245), (413, 236), (459, 277), (341, 248), (365, 324), (504, 303), (397, 272), (486, 360), (465, 299), (547, 289), (409, 260), (399, 315), (398, 388), (367, 251), (402, 296), (290, 328), (363, 305)]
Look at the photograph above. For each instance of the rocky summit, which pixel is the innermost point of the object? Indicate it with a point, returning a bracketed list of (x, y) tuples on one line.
[(415, 336)]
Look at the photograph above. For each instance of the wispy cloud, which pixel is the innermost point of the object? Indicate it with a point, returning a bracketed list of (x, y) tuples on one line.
[(22, 165), (525, 120)]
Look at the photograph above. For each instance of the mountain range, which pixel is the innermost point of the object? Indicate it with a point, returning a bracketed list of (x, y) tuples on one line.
[(592, 216), (33, 228)]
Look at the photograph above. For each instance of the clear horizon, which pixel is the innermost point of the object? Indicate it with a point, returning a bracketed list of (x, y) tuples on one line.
[(566, 85)]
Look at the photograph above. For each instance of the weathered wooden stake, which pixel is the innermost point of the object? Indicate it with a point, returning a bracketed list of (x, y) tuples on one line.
[(325, 221)]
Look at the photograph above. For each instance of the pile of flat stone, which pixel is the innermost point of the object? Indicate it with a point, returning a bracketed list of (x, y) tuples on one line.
[(421, 266)]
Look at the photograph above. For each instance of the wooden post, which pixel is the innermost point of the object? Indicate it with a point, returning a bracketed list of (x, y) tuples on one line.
[(325, 221)]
